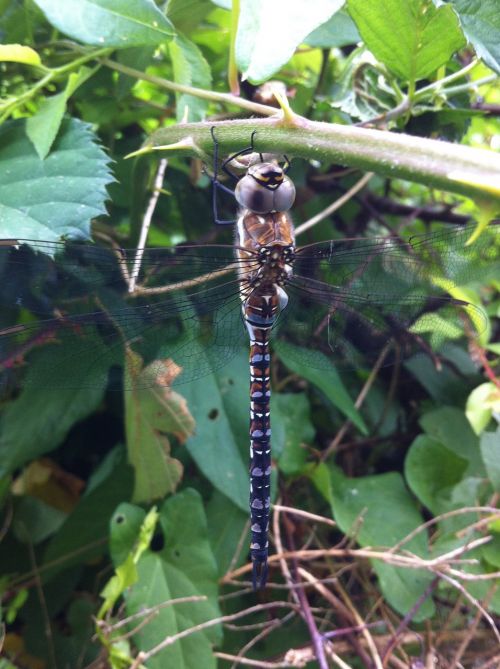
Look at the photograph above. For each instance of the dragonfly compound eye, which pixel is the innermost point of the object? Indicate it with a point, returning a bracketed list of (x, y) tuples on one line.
[(284, 196), (261, 199), (251, 195)]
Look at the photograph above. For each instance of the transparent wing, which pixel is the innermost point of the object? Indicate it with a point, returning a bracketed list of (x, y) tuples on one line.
[(352, 297), (189, 315), (34, 273)]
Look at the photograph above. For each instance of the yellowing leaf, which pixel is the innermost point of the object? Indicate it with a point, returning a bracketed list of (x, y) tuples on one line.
[(153, 411), (17, 53)]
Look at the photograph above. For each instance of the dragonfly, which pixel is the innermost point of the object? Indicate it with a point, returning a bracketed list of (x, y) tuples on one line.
[(66, 304)]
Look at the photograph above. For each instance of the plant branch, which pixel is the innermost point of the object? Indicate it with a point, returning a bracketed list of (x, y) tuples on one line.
[(470, 172), (224, 98), (438, 85), (470, 85), (50, 75)]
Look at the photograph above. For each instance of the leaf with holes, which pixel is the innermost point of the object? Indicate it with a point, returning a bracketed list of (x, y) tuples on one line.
[(220, 444), (180, 564), (151, 414)]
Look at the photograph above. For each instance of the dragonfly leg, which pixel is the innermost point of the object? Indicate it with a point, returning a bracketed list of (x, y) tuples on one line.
[(217, 185), (238, 154)]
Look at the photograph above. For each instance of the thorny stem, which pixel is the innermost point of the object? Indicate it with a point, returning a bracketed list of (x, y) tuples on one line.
[(438, 164)]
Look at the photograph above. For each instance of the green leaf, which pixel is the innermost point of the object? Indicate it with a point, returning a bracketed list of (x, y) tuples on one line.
[(124, 528), (186, 15), (126, 572), (491, 551), (34, 520), (379, 512), (339, 30), (490, 452), (43, 127), (56, 197), (138, 57), (432, 471), (109, 23), (191, 69), (411, 37), (184, 566), (150, 414), (125, 576), (269, 32), (450, 427), (220, 408), (299, 431), (480, 21), (16, 53), (322, 373), (37, 422), (445, 385), (226, 524)]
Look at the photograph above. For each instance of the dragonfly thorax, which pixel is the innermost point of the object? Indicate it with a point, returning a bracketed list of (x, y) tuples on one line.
[(265, 188), (275, 266)]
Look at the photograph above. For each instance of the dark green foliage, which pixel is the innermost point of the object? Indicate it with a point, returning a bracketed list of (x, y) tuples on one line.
[(117, 504)]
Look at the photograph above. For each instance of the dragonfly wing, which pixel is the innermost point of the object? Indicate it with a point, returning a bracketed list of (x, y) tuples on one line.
[(191, 318), (372, 263), (351, 298)]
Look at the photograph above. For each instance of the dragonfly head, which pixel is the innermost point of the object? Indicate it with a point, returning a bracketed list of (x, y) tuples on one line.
[(265, 188), (268, 175)]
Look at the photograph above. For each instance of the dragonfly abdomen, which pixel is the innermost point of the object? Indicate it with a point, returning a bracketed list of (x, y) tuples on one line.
[(259, 324)]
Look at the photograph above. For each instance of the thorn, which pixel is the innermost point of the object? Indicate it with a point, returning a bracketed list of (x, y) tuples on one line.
[(289, 116), (184, 144)]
